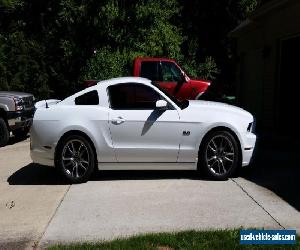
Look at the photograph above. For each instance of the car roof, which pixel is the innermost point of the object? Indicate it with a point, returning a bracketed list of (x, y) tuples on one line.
[(128, 79), (104, 84)]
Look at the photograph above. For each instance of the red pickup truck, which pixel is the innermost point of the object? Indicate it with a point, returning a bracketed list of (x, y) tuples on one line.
[(168, 75)]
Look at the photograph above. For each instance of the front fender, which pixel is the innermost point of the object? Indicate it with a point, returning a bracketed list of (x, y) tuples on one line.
[(220, 125)]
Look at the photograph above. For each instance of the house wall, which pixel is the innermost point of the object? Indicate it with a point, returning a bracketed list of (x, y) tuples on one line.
[(258, 71)]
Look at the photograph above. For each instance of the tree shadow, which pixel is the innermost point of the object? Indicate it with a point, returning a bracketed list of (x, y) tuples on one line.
[(276, 167)]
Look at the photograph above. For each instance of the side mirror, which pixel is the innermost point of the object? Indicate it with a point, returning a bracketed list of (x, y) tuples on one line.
[(161, 104)]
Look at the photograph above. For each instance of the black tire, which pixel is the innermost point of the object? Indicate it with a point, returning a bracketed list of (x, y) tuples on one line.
[(4, 133), (219, 155), (76, 164), (21, 133)]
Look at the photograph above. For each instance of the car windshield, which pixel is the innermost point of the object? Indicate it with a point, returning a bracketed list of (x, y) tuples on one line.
[(181, 104)]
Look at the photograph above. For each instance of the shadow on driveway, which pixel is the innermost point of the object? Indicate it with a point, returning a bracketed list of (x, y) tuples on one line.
[(276, 167), (13, 140), (34, 174)]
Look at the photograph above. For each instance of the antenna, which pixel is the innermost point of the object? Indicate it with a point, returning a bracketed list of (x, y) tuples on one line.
[(47, 106)]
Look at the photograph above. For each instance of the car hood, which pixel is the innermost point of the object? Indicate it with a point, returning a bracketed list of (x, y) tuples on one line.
[(197, 81), (14, 94), (218, 106)]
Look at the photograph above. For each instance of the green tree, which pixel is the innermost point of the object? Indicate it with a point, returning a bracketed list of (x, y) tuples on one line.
[(141, 28), (48, 47), (247, 7)]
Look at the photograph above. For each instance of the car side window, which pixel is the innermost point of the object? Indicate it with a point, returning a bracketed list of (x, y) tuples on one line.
[(132, 96), (151, 70), (170, 72), (89, 98)]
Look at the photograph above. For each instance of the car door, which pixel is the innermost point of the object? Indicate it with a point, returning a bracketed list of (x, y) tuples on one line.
[(139, 131)]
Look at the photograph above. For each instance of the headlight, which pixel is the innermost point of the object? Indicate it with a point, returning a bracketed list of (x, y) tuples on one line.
[(18, 104)]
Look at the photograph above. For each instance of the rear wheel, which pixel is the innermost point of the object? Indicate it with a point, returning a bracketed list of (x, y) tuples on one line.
[(219, 155), (76, 158), (4, 133)]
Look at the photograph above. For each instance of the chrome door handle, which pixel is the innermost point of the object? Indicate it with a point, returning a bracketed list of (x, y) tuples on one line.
[(118, 120)]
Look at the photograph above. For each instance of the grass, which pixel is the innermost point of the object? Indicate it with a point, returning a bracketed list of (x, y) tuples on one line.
[(220, 239)]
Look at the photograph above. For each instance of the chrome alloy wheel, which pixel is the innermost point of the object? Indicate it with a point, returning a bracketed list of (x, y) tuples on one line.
[(220, 154), (75, 158)]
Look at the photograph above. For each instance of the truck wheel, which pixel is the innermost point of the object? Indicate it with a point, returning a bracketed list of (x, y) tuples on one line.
[(20, 133), (4, 133)]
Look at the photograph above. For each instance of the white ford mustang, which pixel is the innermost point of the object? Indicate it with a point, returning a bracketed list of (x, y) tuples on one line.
[(129, 123)]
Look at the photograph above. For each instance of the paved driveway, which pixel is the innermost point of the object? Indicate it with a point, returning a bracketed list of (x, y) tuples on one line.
[(36, 207)]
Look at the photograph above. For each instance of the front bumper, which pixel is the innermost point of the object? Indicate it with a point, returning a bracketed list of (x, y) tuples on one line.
[(20, 119)]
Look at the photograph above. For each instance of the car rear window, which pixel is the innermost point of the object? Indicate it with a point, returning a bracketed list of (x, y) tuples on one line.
[(89, 98)]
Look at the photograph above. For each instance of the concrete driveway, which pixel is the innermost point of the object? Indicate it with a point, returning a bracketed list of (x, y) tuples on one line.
[(37, 208), (25, 208)]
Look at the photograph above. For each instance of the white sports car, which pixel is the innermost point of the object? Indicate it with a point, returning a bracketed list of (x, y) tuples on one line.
[(129, 123)]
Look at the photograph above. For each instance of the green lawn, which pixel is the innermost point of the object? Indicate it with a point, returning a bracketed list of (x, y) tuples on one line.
[(221, 239)]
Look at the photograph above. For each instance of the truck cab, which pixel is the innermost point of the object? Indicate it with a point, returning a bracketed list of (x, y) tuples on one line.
[(170, 77)]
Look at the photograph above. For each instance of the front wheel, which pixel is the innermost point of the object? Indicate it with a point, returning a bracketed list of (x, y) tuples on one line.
[(75, 158), (219, 155)]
